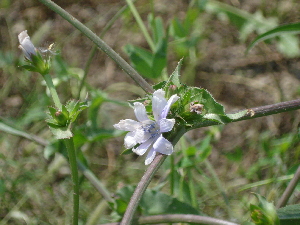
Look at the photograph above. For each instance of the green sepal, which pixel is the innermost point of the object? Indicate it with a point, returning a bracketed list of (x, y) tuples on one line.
[(60, 121), (36, 63), (264, 213)]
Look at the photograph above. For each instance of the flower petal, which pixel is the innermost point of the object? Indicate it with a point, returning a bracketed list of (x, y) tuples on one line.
[(150, 156), (141, 136), (130, 140), (166, 125), (167, 107), (140, 112), (163, 146), (143, 147), (127, 125), (158, 103), (26, 45)]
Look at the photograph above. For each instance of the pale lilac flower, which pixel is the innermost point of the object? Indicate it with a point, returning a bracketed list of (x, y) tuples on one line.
[(146, 132), (26, 45)]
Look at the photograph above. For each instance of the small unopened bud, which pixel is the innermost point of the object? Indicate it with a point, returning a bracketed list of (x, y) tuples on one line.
[(264, 213), (61, 118)]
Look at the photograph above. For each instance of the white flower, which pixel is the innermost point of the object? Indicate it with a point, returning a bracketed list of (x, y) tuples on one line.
[(146, 132), (26, 45)]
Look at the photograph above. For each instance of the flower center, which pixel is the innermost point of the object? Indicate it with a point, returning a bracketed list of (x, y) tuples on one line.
[(150, 126)]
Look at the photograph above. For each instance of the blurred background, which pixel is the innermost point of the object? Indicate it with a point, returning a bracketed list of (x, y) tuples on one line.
[(210, 163)]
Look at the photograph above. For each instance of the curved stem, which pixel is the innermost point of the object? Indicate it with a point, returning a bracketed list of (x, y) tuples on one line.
[(141, 188), (183, 218), (52, 90), (289, 190), (145, 181), (74, 170), (179, 218), (101, 44)]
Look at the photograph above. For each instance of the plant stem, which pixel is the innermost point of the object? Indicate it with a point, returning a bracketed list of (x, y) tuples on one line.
[(179, 218), (141, 188), (260, 111), (101, 44), (74, 170), (145, 181), (141, 24), (183, 218), (52, 90), (172, 175), (289, 190)]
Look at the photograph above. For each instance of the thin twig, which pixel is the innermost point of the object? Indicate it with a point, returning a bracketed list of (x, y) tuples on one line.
[(289, 190), (260, 111), (141, 188), (183, 218), (101, 44), (145, 181), (179, 218)]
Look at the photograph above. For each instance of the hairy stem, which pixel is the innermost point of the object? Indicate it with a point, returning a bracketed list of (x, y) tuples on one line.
[(52, 90), (179, 218), (145, 181), (74, 170), (101, 44), (141, 188), (260, 111), (183, 218), (289, 190)]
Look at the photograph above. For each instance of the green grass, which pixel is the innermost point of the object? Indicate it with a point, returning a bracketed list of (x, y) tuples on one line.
[(215, 169)]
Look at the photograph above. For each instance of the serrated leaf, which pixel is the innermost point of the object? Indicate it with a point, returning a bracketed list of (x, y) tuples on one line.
[(289, 215), (174, 78), (61, 132)]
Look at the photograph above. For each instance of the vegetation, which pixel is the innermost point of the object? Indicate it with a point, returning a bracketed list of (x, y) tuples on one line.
[(234, 66)]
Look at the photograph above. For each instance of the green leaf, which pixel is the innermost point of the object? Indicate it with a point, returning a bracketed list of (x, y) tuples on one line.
[(174, 78), (289, 28), (238, 115), (178, 29), (157, 27), (155, 203), (149, 64), (289, 215), (61, 132), (159, 60), (141, 60)]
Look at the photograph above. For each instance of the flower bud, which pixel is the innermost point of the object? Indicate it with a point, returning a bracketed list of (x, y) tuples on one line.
[(26, 45), (264, 213)]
